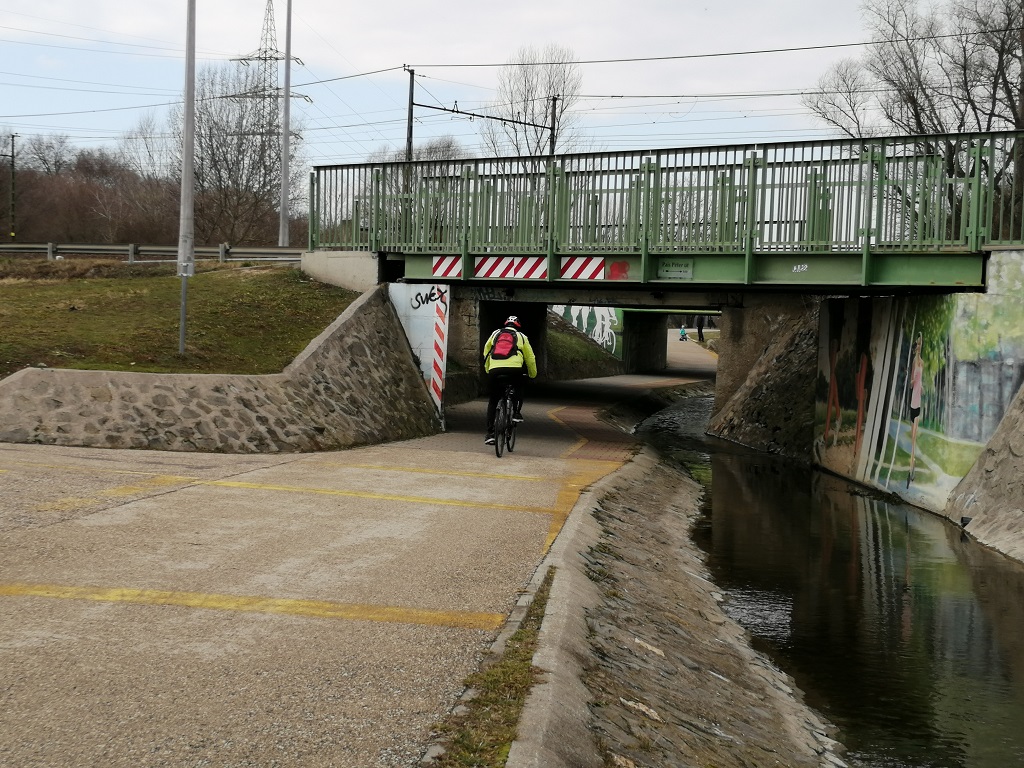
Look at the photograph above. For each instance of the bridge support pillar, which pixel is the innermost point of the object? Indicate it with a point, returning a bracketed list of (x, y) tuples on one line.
[(464, 330), (765, 383), (640, 355)]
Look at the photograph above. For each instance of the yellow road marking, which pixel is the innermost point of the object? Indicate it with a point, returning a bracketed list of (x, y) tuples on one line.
[(67, 504), (379, 496), (446, 473), (72, 503), (578, 444), (315, 609), (568, 493)]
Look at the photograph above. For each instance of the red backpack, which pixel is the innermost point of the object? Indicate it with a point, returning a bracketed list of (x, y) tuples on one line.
[(506, 345)]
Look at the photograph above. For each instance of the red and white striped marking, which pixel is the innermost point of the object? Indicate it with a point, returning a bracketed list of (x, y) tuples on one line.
[(438, 365), (447, 266), (532, 268), (583, 267), (519, 267), (494, 266)]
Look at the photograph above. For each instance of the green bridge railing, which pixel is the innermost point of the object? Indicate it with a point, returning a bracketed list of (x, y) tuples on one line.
[(899, 211)]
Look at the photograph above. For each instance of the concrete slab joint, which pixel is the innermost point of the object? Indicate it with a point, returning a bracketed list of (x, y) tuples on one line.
[(355, 384)]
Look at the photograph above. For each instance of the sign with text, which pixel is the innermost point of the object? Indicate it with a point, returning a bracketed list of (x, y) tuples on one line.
[(672, 268)]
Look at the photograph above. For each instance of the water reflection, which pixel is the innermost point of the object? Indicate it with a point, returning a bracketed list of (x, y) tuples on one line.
[(904, 633)]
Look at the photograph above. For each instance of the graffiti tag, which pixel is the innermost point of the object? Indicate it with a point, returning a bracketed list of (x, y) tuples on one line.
[(490, 294), (433, 296)]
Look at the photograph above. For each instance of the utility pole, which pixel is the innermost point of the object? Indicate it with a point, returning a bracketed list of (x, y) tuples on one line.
[(554, 113), (13, 137), (408, 122), (186, 219), (282, 236)]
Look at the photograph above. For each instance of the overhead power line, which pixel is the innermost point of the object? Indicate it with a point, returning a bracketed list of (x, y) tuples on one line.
[(90, 111), (348, 77), (101, 50), (719, 54), (749, 95)]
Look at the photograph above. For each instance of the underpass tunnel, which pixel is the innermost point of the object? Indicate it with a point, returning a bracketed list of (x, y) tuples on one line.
[(645, 330), (644, 338), (642, 335)]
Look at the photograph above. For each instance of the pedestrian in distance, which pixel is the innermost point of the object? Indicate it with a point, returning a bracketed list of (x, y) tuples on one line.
[(508, 359), (700, 328)]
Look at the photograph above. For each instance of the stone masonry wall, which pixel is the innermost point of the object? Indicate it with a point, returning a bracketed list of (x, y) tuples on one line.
[(354, 384), (765, 386), (464, 330)]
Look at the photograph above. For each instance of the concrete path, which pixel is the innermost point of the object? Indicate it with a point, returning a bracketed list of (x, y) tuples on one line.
[(322, 609)]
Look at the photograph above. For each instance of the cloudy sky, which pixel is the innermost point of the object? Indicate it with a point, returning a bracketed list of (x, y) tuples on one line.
[(92, 69)]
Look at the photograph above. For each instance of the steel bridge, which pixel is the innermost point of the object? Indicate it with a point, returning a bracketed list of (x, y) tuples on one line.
[(860, 215)]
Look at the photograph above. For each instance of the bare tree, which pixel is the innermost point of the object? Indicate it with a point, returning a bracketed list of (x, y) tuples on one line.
[(843, 99), (237, 158), (147, 149), (49, 153), (941, 69), (151, 190), (445, 147), (945, 69), (995, 59), (533, 82)]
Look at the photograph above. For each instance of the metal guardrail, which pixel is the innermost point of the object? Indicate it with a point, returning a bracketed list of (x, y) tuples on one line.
[(135, 253), (845, 200)]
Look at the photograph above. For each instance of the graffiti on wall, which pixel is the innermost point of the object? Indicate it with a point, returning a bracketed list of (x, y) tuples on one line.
[(423, 310), (909, 390), (602, 324), (433, 294)]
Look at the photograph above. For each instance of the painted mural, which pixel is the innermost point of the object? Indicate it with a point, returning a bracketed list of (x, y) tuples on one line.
[(602, 324), (909, 390)]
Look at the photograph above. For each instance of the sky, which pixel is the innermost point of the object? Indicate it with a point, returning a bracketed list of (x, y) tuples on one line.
[(93, 69)]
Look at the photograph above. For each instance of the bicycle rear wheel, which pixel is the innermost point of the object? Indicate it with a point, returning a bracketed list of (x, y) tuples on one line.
[(501, 420), (511, 432)]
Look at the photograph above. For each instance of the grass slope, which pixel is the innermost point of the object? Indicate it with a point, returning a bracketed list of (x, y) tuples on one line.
[(97, 315)]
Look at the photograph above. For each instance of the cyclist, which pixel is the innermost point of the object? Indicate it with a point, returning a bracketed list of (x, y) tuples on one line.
[(507, 357)]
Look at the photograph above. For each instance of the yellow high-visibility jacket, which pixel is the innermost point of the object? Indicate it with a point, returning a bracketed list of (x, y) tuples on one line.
[(524, 357)]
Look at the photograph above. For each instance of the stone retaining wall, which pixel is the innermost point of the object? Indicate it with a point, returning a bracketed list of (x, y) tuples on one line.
[(355, 384), (764, 395)]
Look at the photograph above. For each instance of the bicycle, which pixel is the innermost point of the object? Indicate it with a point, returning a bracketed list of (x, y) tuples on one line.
[(504, 424)]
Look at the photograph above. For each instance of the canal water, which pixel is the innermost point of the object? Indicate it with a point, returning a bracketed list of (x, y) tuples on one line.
[(901, 630)]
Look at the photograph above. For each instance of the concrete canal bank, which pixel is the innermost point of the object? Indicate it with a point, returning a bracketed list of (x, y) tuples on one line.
[(642, 667)]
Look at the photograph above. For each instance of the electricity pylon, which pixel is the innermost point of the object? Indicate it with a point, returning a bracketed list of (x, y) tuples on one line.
[(266, 91)]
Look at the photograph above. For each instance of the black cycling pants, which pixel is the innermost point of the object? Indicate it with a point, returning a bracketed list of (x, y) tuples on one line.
[(496, 380)]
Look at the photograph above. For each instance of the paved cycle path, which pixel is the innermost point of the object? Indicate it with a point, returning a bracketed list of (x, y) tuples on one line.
[(319, 609)]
